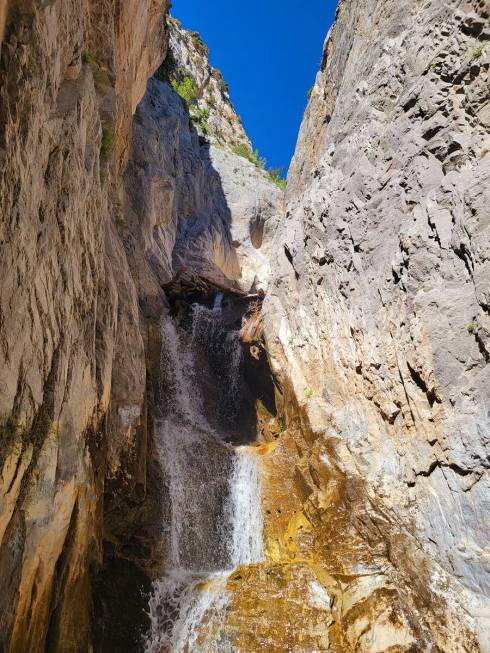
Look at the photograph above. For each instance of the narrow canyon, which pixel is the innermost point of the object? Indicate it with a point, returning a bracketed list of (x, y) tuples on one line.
[(239, 415)]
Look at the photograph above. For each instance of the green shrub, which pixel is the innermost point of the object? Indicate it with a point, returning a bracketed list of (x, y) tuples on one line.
[(40, 430), (88, 58), (174, 21), (471, 327), (107, 143), (309, 92), (13, 435), (222, 84), (199, 44), (309, 393), (253, 156), (275, 175), (121, 223), (223, 87), (200, 118), (33, 68), (106, 149), (478, 51), (186, 89), (10, 435)]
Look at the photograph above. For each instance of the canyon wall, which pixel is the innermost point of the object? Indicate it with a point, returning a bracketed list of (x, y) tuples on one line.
[(376, 273), (71, 77), (377, 323), (99, 210)]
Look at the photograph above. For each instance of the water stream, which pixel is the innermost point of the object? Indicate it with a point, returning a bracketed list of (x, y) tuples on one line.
[(213, 489)]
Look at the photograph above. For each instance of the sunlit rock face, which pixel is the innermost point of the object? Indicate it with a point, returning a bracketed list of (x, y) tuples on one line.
[(377, 322), (71, 75), (232, 229)]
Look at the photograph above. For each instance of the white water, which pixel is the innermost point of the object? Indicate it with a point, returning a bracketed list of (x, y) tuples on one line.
[(214, 493), (246, 512), (217, 302)]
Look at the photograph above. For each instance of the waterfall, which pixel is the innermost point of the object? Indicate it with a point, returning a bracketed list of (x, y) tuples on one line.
[(213, 489), (246, 513), (217, 302)]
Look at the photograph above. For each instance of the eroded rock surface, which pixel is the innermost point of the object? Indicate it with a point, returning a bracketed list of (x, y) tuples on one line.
[(71, 76), (191, 204), (378, 322), (99, 210)]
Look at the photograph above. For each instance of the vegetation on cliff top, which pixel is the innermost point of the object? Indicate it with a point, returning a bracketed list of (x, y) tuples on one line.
[(185, 86), (274, 174)]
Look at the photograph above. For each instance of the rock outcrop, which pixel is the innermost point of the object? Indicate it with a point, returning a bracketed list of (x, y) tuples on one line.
[(377, 322), (229, 229)]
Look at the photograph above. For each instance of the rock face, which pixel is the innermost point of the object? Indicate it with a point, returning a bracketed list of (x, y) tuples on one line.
[(378, 322), (71, 76), (98, 211), (228, 227), (189, 57)]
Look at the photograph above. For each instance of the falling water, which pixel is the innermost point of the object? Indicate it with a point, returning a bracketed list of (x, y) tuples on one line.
[(246, 513), (217, 302), (214, 493)]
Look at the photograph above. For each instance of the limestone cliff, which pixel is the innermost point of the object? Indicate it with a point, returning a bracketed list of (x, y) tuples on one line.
[(99, 211), (378, 323), (71, 76), (249, 202)]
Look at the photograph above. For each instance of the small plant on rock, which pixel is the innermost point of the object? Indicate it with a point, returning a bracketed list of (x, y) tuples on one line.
[(34, 68), (471, 327), (186, 89), (121, 223), (275, 175), (199, 44), (174, 21), (10, 435), (107, 142), (222, 84), (478, 52), (241, 149), (200, 118), (223, 87), (106, 148), (309, 393)]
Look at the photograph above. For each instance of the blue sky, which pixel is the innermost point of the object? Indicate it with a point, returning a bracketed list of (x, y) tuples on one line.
[(269, 52)]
